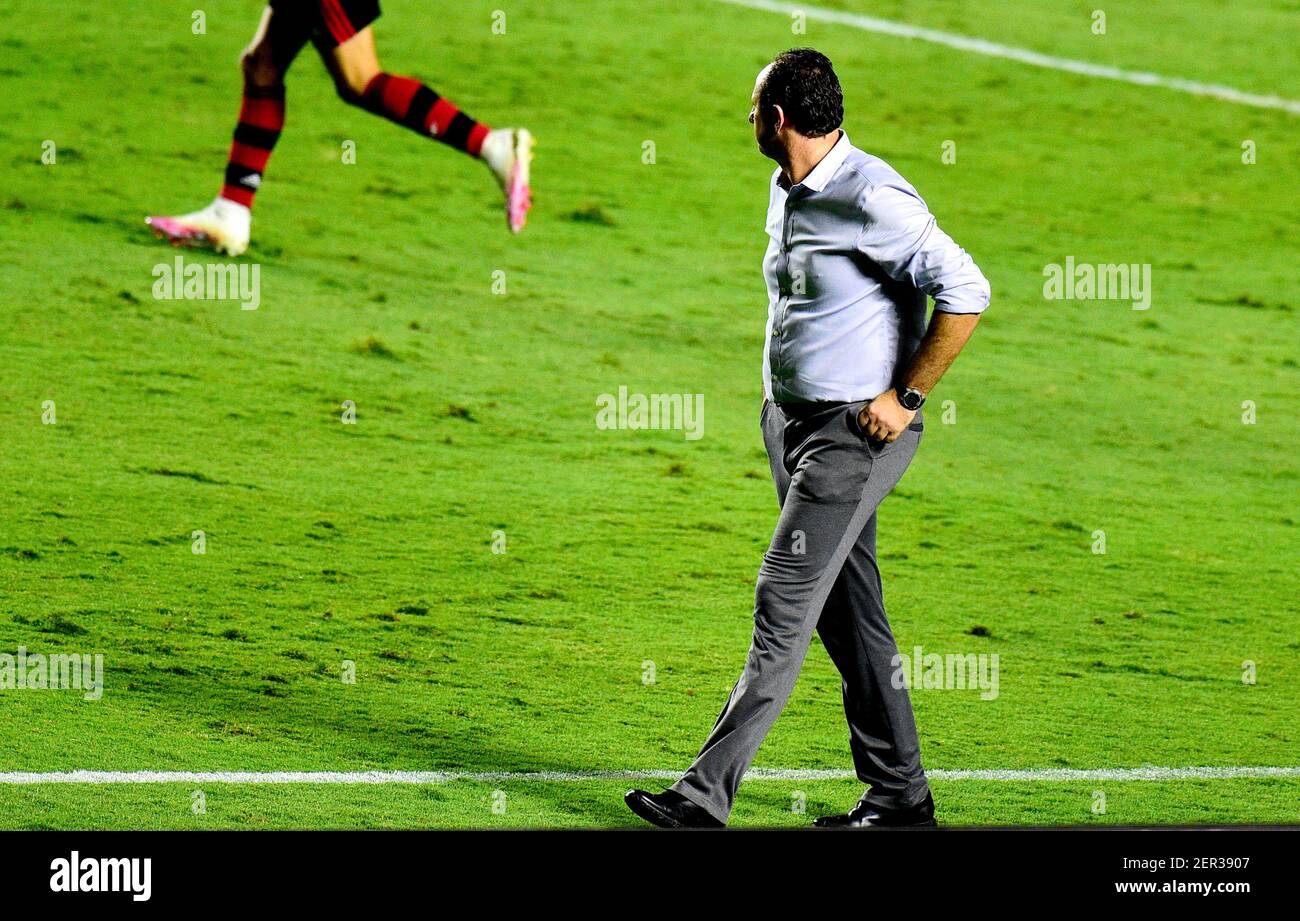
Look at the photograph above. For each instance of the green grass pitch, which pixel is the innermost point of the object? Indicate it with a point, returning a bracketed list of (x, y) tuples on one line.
[(373, 543)]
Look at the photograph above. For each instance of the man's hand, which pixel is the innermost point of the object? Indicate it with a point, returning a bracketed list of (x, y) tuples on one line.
[(884, 418)]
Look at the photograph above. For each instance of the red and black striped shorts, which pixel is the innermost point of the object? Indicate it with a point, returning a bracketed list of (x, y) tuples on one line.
[(330, 22)]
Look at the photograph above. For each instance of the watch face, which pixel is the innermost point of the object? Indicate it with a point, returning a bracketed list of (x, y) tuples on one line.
[(911, 400)]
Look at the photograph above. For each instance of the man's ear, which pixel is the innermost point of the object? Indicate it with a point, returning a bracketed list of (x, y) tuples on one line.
[(778, 119)]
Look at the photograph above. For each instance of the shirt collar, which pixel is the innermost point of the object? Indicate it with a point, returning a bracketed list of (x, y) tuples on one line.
[(830, 164)]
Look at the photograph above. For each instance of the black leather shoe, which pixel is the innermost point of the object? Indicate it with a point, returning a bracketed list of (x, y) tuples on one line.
[(864, 815), (669, 809)]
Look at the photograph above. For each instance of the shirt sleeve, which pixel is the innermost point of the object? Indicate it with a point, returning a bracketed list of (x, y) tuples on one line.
[(902, 237)]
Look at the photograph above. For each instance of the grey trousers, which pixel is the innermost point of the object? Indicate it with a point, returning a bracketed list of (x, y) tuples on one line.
[(820, 573)]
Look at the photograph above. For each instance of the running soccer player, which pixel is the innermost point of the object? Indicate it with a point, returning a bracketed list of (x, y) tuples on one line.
[(341, 31)]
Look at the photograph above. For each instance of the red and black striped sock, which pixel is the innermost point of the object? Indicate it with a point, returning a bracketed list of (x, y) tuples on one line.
[(409, 102), (261, 118)]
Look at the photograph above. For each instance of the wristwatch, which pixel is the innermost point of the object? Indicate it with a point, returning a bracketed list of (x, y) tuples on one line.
[(911, 399)]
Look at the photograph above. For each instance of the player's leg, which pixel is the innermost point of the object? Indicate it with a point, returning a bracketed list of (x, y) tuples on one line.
[(224, 225), (361, 81), (261, 117)]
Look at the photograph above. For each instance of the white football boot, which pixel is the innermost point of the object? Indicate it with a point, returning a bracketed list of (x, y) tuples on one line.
[(508, 152), (223, 226)]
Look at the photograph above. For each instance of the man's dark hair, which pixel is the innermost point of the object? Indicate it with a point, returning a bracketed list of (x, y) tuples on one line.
[(803, 83)]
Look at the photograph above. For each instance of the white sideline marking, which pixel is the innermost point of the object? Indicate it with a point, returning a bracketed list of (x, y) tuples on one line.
[(1023, 55), (438, 777)]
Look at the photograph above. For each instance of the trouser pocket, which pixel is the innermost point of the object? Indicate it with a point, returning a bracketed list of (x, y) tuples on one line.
[(852, 416), (876, 446)]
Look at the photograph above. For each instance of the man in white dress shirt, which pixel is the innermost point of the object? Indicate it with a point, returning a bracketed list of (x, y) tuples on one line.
[(853, 256)]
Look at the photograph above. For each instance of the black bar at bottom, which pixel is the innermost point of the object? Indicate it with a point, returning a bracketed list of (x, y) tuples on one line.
[(1219, 866)]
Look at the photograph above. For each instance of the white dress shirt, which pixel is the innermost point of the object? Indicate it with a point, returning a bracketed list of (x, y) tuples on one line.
[(852, 256)]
